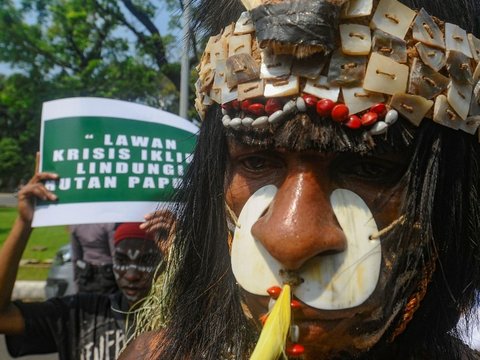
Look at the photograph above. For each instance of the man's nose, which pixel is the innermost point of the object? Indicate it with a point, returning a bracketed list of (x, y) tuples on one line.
[(299, 223)]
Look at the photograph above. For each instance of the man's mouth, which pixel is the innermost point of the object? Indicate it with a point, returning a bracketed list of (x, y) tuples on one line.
[(132, 291)]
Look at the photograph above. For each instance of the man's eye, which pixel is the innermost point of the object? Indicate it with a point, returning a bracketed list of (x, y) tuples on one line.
[(254, 163), (371, 169)]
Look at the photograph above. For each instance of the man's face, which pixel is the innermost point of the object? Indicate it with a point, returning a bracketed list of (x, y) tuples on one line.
[(134, 263), (299, 227)]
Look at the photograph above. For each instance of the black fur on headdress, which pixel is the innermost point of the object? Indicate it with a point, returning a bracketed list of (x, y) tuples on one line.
[(203, 302)]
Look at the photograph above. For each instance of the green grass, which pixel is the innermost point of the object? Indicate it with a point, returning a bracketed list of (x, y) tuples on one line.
[(32, 273), (42, 245)]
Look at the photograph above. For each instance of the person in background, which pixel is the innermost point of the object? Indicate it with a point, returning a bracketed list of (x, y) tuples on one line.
[(92, 250), (81, 326)]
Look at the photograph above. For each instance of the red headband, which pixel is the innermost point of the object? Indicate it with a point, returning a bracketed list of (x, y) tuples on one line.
[(130, 231)]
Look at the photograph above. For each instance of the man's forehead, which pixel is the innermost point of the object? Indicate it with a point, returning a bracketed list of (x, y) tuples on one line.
[(302, 133)]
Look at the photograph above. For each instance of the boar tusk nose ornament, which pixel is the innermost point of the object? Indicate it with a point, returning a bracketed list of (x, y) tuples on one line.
[(329, 282)]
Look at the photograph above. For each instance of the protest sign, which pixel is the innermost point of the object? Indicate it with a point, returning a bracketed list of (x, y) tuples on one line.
[(117, 160)]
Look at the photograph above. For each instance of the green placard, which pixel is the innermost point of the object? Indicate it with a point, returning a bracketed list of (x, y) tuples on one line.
[(113, 159)]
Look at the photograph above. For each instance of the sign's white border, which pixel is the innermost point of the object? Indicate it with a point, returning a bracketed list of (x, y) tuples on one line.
[(102, 212), (84, 213)]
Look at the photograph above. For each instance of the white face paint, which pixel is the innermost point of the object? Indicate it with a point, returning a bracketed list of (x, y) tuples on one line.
[(133, 254), (331, 282)]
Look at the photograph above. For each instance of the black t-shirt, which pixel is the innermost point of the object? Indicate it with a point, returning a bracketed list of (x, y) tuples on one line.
[(83, 327)]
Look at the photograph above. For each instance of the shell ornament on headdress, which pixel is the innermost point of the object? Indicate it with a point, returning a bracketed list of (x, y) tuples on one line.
[(360, 63)]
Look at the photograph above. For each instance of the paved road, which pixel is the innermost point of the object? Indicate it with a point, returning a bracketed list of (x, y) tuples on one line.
[(7, 200), (4, 353)]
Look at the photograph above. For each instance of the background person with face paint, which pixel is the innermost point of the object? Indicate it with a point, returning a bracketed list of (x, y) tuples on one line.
[(82, 326), (331, 209)]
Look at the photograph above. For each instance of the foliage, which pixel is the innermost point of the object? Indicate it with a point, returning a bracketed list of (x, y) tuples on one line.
[(66, 48)]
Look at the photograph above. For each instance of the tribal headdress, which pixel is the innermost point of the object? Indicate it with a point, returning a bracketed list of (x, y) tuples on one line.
[(359, 75), (360, 63)]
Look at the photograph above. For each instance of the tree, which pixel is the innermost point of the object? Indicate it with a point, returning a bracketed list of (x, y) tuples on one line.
[(67, 48)]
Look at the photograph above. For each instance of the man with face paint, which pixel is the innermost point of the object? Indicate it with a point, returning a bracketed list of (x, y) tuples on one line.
[(331, 209), (82, 326)]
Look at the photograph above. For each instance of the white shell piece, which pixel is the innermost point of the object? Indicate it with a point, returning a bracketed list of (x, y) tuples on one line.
[(426, 82), (412, 107), (276, 116), (236, 123), (240, 44), (427, 31), (322, 89), (244, 24), (444, 114), (301, 105), (434, 58), (357, 8), (207, 101), (247, 121), (294, 333), (379, 128), (250, 90), (393, 17), (459, 97), (228, 94), (346, 279), (262, 121), (211, 41), (356, 39), (252, 265), (228, 31), (475, 104), (226, 120), (275, 66), (219, 52), (456, 39), (474, 46), (282, 88), (459, 67), (216, 95), (471, 125), (220, 73), (290, 106), (391, 117), (476, 73), (358, 99), (385, 75), (390, 46), (271, 304)]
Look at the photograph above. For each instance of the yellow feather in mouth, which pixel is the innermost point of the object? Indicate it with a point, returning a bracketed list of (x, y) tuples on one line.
[(271, 343)]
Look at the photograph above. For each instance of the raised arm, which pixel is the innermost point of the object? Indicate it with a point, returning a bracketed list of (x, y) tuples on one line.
[(11, 320)]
